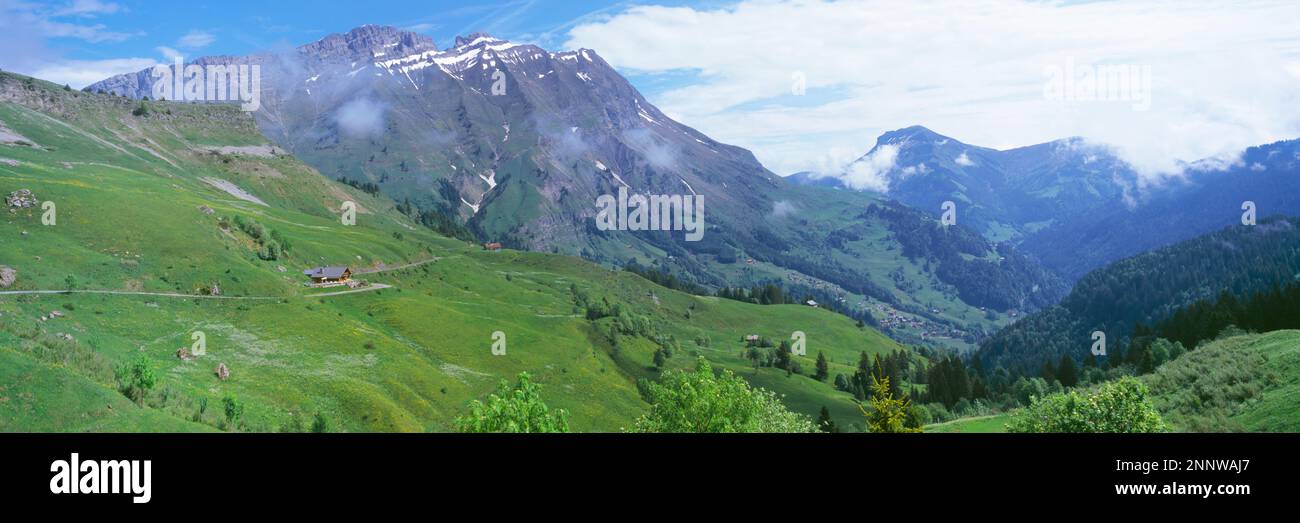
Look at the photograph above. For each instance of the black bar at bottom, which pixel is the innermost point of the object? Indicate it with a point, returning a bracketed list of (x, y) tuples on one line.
[(319, 472)]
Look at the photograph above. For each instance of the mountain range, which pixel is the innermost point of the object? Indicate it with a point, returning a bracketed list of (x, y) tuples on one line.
[(1073, 205), (517, 143), (523, 164)]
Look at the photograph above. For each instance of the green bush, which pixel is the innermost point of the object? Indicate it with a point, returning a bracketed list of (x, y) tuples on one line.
[(320, 424), (700, 401), (234, 409), (137, 378), (1119, 406), (513, 409)]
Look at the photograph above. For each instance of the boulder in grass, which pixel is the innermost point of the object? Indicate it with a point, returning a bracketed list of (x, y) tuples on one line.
[(21, 199), (222, 372), (7, 275)]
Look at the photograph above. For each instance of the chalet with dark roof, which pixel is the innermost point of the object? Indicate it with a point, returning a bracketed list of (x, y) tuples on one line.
[(320, 275)]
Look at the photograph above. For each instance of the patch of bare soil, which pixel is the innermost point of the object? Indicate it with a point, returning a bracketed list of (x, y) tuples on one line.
[(260, 151), (9, 137), (232, 190)]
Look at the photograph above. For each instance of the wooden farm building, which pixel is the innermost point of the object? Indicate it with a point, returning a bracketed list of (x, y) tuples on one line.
[(329, 274)]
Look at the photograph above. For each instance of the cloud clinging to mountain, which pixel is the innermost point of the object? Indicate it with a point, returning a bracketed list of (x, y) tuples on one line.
[(361, 118)]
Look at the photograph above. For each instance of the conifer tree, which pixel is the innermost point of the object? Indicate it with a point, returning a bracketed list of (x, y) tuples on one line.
[(1066, 373), (824, 421), (887, 414), (823, 368)]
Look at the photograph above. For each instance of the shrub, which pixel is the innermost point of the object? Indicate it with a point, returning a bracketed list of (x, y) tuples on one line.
[(1119, 406), (234, 409), (517, 409), (700, 401), (320, 424), (271, 252), (137, 378)]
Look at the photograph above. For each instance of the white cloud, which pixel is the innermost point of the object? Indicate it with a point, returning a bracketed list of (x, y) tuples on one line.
[(169, 53), (919, 168), (964, 160), (871, 172), (1223, 77), (783, 208), (28, 28), (80, 73), (361, 118), (192, 40), (95, 34), (196, 39), (420, 28), (90, 8)]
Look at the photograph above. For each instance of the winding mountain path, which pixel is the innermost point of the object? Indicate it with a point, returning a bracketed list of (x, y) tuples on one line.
[(368, 288), (396, 267)]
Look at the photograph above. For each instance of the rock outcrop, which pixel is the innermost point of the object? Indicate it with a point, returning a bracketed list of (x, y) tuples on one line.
[(21, 199)]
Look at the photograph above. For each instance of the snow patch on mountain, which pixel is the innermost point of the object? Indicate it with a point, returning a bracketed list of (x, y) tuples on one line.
[(601, 166), (688, 186), (640, 111), (483, 51), (477, 39)]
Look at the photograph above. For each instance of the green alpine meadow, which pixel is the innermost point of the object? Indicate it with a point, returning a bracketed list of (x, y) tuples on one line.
[(175, 219)]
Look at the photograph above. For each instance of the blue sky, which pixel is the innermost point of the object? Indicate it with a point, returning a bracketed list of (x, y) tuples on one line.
[(1221, 76), (114, 29)]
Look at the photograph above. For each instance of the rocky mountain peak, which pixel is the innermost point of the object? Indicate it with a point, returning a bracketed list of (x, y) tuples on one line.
[(473, 39), (913, 134), (368, 41)]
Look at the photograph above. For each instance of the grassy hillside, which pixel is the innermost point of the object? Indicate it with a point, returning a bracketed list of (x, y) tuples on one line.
[(1242, 383), (148, 208), (978, 424), (1247, 383)]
